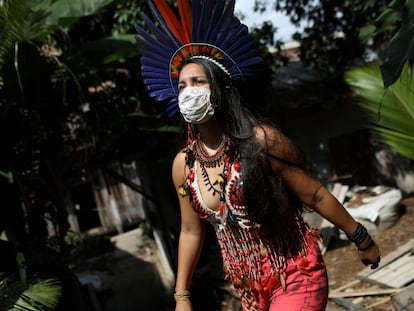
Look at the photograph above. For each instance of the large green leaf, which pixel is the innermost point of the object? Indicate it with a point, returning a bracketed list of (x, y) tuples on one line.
[(20, 21), (401, 48), (39, 294), (78, 8), (66, 12), (26, 20), (389, 110), (105, 50)]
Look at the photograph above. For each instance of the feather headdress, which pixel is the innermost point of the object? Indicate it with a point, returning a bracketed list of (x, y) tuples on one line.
[(205, 29)]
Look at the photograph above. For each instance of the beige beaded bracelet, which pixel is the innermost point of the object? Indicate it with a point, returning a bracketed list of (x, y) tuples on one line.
[(182, 295)]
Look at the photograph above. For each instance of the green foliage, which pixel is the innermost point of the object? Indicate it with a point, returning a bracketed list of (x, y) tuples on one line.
[(401, 47), (330, 39), (39, 294), (71, 101), (19, 21), (146, 234), (27, 20), (390, 110), (8, 176), (265, 38), (82, 245), (78, 8), (396, 19), (127, 14), (65, 83), (64, 13)]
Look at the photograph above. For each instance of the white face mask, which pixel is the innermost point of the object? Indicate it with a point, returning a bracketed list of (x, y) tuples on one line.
[(194, 103)]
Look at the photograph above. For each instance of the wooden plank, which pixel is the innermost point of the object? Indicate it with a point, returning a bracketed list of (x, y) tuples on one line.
[(404, 300), (363, 293), (379, 302), (341, 288), (405, 275), (349, 305), (386, 270), (396, 274), (364, 274)]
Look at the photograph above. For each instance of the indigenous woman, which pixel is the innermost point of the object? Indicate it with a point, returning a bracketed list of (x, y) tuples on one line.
[(238, 172)]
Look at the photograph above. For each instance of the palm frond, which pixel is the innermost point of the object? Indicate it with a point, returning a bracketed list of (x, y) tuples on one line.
[(20, 20), (26, 20), (39, 294), (390, 111)]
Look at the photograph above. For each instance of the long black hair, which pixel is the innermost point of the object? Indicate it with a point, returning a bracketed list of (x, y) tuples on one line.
[(269, 202)]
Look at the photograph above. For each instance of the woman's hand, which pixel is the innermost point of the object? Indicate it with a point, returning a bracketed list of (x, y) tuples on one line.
[(369, 253), (184, 305)]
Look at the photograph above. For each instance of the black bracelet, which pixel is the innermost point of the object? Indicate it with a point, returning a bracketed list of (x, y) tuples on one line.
[(359, 235), (370, 244)]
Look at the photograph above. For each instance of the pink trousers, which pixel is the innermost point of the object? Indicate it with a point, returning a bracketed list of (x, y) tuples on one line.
[(304, 291)]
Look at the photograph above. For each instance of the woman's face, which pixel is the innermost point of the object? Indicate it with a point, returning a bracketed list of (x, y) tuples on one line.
[(192, 75), (194, 95)]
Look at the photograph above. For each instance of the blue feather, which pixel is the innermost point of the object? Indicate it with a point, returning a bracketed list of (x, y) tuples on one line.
[(153, 75), (246, 54), (202, 24), (160, 19), (241, 46), (162, 37), (196, 13), (237, 33), (156, 70), (143, 36), (172, 107), (211, 31), (161, 95), (156, 59), (223, 28), (251, 61), (156, 87)]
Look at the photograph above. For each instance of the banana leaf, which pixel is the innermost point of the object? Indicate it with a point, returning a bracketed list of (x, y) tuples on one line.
[(390, 110), (401, 47)]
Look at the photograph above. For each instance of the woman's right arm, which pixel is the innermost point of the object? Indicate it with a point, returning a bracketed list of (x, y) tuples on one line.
[(191, 235)]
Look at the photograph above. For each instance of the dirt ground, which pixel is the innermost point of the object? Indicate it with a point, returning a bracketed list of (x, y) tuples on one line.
[(343, 263)]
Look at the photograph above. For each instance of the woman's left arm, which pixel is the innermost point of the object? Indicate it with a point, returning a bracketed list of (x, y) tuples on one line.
[(315, 195)]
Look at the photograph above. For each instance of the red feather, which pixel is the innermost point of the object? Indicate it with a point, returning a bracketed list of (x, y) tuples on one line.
[(186, 19), (170, 18)]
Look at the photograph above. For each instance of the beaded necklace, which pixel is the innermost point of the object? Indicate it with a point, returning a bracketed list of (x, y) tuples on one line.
[(211, 161), (207, 160), (196, 151)]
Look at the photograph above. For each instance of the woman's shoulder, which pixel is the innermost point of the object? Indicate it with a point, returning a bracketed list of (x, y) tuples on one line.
[(179, 159), (266, 134), (277, 144), (179, 167)]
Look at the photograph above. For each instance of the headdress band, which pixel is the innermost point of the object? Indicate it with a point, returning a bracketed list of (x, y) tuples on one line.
[(214, 61), (201, 31), (197, 50)]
